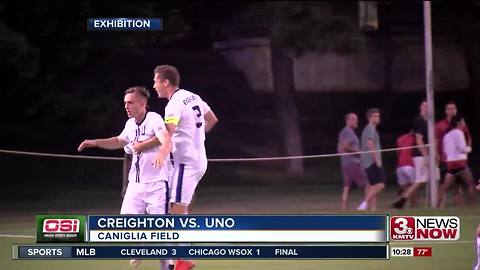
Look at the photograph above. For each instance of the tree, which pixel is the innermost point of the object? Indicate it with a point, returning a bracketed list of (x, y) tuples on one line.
[(53, 62), (296, 28), (465, 17)]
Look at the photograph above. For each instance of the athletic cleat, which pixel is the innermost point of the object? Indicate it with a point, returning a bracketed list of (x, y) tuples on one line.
[(363, 206), (184, 265), (167, 265), (400, 203), (135, 262)]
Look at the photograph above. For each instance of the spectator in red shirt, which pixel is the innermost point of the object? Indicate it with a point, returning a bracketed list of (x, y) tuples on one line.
[(405, 167)]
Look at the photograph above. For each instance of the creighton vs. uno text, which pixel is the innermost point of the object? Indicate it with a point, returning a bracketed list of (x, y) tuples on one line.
[(235, 229)]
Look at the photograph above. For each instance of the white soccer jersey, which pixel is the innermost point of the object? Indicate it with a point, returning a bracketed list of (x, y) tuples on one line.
[(142, 169), (186, 110)]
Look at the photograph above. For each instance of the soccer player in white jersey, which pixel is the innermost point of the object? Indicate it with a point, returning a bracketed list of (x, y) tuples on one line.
[(147, 190), (187, 119)]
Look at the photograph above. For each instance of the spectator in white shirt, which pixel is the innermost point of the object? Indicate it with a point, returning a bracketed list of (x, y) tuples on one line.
[(456, 152)]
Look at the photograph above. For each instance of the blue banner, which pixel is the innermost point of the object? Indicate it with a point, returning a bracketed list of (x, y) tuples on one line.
[(203, 252), (247, 222)]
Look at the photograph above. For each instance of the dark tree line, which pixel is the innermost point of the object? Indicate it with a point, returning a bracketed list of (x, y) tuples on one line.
[(48, 57)]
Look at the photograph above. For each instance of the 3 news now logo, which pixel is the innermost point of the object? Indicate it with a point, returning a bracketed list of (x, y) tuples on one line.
[(60, 228), (429, 228)]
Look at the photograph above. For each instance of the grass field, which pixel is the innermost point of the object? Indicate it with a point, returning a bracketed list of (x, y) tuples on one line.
[(302, 199)]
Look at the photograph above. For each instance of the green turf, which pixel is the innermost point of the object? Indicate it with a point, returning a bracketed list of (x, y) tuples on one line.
[(301, 199)]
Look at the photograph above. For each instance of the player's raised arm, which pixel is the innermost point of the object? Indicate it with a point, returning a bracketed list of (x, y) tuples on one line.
[(110, 143)]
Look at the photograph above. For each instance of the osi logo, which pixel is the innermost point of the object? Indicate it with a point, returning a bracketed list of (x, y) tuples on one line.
[(61, 226)]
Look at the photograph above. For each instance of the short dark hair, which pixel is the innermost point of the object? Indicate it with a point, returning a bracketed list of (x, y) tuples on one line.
[(348, 115), (169, 73), (456, 119), (372, 111), (138, 90), (451, 102)]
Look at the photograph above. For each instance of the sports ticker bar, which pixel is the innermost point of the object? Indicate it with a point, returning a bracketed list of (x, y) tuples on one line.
[(62, 252)]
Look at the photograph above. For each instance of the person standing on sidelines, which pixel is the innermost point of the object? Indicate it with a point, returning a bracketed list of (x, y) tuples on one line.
[(147, 190), (456, 152), (187, 119), (420, 157), (405, 167), (372, 162), (352, 170), (441, 128)]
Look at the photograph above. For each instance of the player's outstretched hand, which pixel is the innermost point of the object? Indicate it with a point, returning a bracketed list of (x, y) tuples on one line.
[(158, 161), (86, 144)]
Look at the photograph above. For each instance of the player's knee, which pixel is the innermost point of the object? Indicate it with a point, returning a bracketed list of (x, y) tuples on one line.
[(178, 209), (156, 210), (380, 186)]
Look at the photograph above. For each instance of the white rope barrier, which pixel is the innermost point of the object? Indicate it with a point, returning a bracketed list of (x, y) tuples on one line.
[(37, 154), (308, 156), (210, 159), (17, 236)]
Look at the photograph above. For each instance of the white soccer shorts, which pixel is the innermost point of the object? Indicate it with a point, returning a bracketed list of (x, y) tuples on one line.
[(146, 198), (184, 182)]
